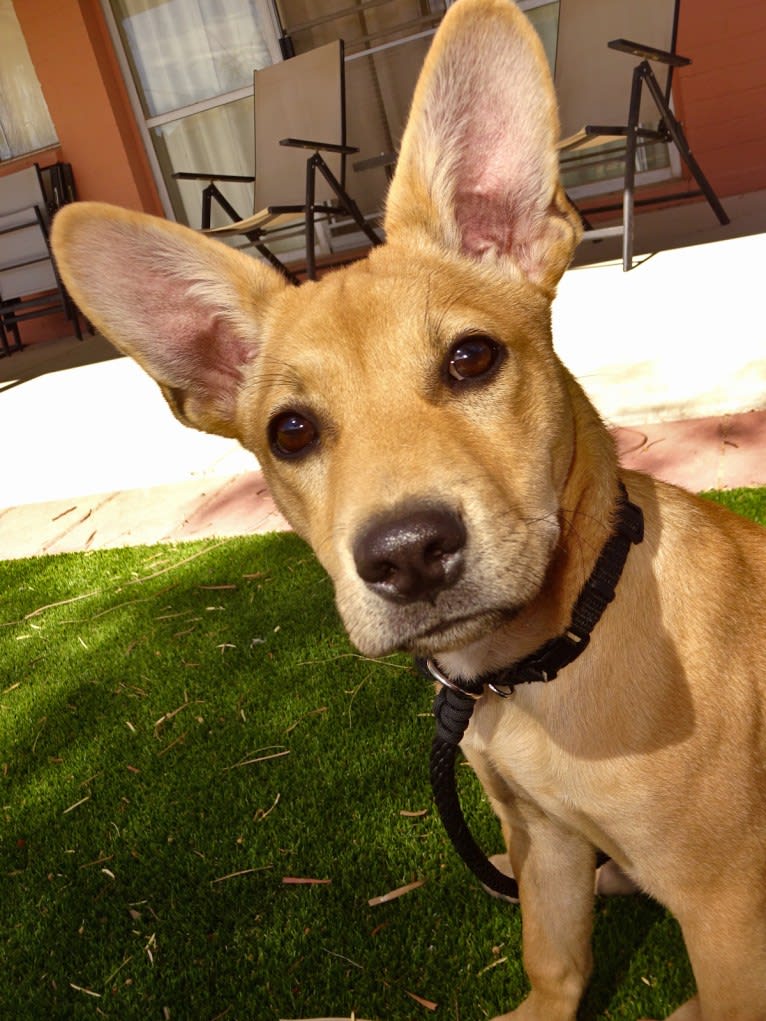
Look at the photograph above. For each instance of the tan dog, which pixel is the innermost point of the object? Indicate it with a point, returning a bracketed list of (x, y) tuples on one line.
[(417, 429)]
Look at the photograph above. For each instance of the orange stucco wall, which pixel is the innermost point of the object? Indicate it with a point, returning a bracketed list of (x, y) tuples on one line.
[(73, 56)]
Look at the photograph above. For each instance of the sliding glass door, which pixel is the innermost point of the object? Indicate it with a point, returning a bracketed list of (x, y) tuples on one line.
[(190, 64)]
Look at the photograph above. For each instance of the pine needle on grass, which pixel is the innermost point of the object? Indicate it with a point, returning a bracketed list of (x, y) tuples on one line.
[(240, 872), (280, 753)]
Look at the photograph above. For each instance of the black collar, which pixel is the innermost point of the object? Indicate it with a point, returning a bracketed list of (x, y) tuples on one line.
[(598, 591)]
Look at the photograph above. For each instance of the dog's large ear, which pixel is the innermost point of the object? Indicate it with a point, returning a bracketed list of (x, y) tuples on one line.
[(478, 168), (187, 308)]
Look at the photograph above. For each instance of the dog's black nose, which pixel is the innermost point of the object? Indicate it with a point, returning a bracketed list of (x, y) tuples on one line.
[(411, 554)]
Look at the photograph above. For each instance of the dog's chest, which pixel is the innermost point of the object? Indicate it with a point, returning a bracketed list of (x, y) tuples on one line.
[(520, 754)]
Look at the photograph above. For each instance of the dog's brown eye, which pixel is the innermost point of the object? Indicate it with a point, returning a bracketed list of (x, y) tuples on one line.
[(473, 357), (291, 434)]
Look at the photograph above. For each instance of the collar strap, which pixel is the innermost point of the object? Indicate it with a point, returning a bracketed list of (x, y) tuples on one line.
[(598, 591)]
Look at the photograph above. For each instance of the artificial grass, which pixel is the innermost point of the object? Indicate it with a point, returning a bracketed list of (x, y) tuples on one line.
[(182, 729)]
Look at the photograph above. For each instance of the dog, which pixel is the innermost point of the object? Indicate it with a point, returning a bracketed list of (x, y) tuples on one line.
[(415, 426)]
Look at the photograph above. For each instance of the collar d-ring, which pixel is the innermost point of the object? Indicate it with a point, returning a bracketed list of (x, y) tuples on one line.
[(438, 675)]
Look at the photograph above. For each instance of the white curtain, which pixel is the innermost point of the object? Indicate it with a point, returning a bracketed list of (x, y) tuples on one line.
[(25, 124), (184, 51)]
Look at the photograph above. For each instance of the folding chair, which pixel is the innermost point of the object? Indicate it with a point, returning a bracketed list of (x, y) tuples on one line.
[(583, 25), (297, 101), (29, 282)]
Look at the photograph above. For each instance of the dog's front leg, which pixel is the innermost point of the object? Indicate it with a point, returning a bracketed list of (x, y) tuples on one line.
[(554, 868)]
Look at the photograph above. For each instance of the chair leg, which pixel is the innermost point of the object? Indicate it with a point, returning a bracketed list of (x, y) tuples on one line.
[(678, 135), (628, 194), (9, 327), (346, 201), (70, 309), (74, 316), (212, 194), (255, 240), (311, 262)]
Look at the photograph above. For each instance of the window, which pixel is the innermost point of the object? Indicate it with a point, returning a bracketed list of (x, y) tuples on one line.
[(25, 124), (544, 15), (191, 63), (386, 42)]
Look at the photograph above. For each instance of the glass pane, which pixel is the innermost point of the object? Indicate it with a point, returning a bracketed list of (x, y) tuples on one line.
[(25, 124), (379, 89), (545, 18), (310, 23), (184, 51), (217, 141), (607, 163)]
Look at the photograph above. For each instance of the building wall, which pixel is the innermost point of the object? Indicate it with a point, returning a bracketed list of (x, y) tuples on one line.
[(70, 47), (71, 50), (722, 95)]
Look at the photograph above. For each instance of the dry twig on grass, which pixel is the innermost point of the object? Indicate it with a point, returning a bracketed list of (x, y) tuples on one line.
[(400, 891)]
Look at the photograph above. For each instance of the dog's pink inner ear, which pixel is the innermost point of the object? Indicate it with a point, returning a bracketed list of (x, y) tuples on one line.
[(494, 197), (198, 359), (188, 311), (193, 340), (504, 184), (183, 329), (478, 168)]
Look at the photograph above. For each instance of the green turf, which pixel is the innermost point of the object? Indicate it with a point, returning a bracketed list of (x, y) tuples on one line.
[(181, 729)]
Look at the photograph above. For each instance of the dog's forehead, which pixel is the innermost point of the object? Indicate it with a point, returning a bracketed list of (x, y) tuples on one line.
[(393, 305)]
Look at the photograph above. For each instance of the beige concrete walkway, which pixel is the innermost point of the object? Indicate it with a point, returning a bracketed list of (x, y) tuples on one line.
[(673, 355)]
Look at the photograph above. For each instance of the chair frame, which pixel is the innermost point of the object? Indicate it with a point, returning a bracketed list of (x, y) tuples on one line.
[(668, 131), (311, 209), (256, 228)]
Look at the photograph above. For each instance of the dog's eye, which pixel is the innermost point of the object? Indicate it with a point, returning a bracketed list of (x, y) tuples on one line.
[(292, 434), (472, 357)]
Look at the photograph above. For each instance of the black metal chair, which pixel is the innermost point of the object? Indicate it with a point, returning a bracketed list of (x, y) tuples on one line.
[(29, 282), (296, 101), (650, 120)]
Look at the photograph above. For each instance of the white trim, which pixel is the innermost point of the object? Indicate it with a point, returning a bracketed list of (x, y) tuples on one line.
[(200, 107), (138, 110), (387, 46), (530, 5), (613, 184)]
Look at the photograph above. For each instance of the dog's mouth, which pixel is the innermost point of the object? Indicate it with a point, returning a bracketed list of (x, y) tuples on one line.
[(455, 632)]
